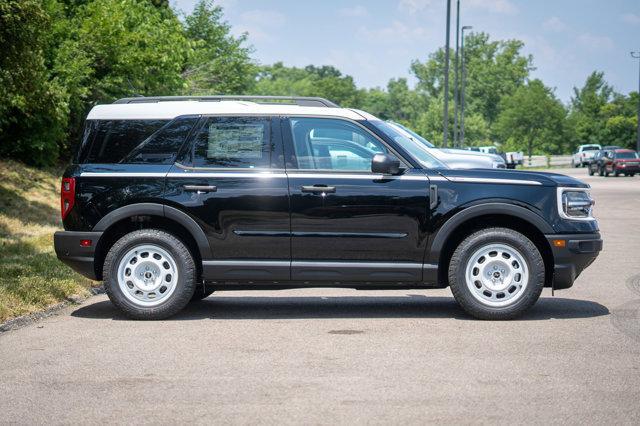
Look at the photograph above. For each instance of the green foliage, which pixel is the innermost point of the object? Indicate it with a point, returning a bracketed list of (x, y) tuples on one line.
[(325, 81), (32, 107), (61, 57), (532, 120), (219, 63)]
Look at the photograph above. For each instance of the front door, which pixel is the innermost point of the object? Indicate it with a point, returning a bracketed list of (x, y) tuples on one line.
[(347, 223), (231, 180)]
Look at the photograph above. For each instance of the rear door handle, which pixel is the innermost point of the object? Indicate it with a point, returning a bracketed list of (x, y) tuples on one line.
[(200, 189), (318, 189)]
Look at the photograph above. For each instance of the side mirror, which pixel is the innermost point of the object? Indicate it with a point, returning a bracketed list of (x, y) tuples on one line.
[(386, 164)]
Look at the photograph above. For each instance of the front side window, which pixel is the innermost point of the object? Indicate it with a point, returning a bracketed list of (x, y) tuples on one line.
[(234, 142), (333, 144)]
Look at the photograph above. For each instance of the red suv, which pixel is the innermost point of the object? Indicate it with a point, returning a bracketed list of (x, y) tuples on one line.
[(621, 161)]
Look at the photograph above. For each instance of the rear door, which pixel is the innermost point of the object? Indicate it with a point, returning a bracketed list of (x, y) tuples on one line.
[(231, 180)]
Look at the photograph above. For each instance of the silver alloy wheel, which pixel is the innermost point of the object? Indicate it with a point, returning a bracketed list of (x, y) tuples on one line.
[(147, 275), (497, 275)]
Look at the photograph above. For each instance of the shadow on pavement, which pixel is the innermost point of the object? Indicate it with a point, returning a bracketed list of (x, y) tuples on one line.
[(411, 306)]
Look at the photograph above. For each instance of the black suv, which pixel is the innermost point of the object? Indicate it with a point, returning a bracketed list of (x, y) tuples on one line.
[(170, 199)]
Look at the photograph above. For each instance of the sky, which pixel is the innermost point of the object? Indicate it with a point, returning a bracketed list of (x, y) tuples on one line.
[(376, 40)]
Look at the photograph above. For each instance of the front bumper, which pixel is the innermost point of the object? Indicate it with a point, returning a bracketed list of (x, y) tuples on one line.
[(79, 258), (628, 169), (579, 252)]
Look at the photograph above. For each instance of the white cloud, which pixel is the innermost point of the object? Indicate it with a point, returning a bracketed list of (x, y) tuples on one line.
[(395, 32), (495, 6), (357, 11), (554, 24), (631, 18), (413, 6), (595, 42), (259, 23)]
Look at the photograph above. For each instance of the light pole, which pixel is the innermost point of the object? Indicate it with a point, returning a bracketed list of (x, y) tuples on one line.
[(464, 85), (636, 55), (456, 94), (445, 120)]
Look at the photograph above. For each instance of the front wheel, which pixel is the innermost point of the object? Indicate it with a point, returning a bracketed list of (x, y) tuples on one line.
[(149, 274), (496, 274)]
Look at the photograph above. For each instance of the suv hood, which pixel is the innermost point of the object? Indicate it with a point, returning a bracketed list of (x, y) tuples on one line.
[(513, 176)]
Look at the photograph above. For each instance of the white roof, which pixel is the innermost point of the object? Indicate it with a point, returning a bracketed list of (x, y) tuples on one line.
[(167, 110)]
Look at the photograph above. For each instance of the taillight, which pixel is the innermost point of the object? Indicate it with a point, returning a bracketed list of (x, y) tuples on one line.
[(67, 196)]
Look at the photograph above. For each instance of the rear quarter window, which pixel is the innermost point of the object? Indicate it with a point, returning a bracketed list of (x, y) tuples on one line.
[(112, 141)]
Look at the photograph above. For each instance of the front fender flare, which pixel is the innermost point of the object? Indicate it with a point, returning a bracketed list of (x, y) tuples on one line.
[(443, 234)]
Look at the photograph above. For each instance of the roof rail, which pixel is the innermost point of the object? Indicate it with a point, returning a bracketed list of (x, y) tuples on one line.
[(297, 100)]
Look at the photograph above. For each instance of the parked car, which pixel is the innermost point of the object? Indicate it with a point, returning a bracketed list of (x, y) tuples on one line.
[(621, 161), (171, 199), (596, 164), (454, 158), (511, 159), (584, 154)]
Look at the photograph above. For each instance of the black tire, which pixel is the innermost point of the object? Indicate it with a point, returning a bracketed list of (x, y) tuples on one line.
[(632, 174), (590, 171), (184, 285), (202, 292), (601, 171), (606, 173), (503, 236), (616, 173)]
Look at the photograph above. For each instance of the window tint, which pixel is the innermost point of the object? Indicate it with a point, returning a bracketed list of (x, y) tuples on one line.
[(162, 146), (238, 142), (330, 144), (111, 141)]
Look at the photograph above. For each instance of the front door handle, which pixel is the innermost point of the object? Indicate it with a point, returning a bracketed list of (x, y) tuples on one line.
[(200, 189), (318, 189)]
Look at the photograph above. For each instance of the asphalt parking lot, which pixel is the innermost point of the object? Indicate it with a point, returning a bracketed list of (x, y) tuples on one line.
[(347, 356)]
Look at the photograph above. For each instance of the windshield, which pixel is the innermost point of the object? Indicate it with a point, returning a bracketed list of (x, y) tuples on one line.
[(412, 134), (626, 154), (409, 144)]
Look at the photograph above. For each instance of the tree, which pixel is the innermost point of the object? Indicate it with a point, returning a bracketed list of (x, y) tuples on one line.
[(586, 121), (324, 81), (532, 120), (32, 109), (494, 69), (218, 63)]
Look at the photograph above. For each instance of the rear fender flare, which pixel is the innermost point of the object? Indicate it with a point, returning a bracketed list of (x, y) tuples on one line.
[(154, 209)]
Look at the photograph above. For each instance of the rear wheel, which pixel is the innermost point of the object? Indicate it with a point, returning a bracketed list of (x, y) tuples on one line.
[(496, 273), (601, 171), (149, 274), (590, 170)]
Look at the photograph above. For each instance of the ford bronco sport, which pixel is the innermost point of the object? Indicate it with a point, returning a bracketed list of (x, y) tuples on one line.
[(169, 199)]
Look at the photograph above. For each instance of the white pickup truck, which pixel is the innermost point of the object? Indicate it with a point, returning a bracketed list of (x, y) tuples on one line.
[(584, 154)]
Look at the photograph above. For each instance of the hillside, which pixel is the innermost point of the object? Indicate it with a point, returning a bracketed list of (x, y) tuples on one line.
[(31, 277)]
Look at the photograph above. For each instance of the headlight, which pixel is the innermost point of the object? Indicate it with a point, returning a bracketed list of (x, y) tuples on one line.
[(575, 204)]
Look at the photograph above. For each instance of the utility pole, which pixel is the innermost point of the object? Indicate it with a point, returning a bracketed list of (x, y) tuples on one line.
[(636, 55), (445, 120), (456, 92), (464, 85)]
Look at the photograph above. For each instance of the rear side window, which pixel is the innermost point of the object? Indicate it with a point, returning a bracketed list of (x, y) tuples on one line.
[(163, 146), (111, 141), (233, 142)]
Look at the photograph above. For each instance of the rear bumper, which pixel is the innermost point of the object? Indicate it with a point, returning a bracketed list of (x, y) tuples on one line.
[(79, 258), (579, 252)]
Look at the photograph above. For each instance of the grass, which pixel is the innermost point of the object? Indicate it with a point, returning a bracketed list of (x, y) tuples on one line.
[(31, 277)]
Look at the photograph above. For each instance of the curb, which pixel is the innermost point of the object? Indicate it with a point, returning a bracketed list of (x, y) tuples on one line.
[(25, 320)]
